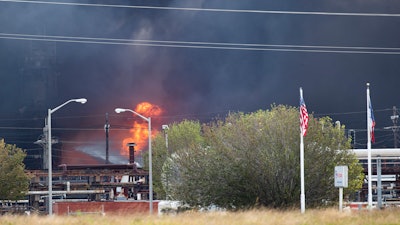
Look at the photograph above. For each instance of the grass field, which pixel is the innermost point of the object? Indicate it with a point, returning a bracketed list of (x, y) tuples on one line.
[(324, 216)]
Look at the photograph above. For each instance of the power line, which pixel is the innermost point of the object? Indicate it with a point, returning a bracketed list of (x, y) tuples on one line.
[(128, 41), (350, 113), (126, 128), (123, 127), (206, 45), (208, 9), (21, 128)]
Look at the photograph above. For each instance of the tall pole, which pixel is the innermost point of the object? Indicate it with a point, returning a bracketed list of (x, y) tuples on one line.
[(166, 140), (49, 143), (369, 127), (302, 194), (394, 119), (379, 180), (302, 189), (44, 144), (107, 128), (165, 129), (340, 199), (119, 110), (50, 178), (150, 170)]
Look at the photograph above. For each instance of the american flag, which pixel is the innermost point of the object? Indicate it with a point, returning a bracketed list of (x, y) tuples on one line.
[(371, 121), (303, 115)]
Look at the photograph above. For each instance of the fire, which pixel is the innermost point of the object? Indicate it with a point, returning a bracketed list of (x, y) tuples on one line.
[(139, 133)]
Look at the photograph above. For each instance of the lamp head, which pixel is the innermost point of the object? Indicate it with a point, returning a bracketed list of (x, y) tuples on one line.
[(119, 110), (81, 100)]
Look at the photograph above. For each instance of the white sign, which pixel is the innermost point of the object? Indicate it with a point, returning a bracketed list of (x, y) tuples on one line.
[(341, 176)]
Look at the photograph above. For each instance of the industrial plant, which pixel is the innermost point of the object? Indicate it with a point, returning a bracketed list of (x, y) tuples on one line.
[(93, 188), (107, 187)]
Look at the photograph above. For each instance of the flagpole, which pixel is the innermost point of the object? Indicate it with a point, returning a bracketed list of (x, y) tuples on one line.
[(302, 194), (369, 126)]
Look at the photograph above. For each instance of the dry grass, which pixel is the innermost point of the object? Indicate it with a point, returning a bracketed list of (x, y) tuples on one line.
[(325, 216)]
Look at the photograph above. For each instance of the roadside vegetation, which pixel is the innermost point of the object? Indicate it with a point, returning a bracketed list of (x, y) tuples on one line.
[(251, 160), (14, 182), (253, 217)]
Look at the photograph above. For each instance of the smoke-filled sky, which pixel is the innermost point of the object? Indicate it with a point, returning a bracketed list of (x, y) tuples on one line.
[(202, 83)]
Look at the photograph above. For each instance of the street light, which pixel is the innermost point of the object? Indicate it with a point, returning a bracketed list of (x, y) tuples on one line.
[(165, 128), (49, 143), (120, 110)]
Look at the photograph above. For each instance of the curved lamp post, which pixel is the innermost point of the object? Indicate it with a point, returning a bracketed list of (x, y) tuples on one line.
[(50, 111), (120, 110)]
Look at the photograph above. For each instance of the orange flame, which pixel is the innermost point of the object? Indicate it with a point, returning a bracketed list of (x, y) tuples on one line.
[(139, 133)]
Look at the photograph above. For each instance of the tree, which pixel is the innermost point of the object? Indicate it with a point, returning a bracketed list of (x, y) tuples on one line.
[(14, 183), (181, 136), (322, 144), (253, 159)]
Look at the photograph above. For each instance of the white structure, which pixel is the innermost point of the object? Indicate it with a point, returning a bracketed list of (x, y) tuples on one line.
[(389, 179), (393, 153)]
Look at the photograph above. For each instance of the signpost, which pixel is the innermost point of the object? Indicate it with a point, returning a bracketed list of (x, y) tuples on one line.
[(341, 181)]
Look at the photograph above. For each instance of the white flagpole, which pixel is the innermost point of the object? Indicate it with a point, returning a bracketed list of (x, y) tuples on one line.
[(302, 194), (369, 126)]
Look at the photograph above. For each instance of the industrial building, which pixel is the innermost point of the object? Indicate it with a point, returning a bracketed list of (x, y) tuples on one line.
[(385, 164), (93, 188), (89, 183)]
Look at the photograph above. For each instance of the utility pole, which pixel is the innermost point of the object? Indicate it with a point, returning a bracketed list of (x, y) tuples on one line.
[(165, 128), (394, 128), (43, 141), (107, 128), (394, 119)]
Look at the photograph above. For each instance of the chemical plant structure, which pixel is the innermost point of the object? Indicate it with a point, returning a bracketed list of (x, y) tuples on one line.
[(95, 188)]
